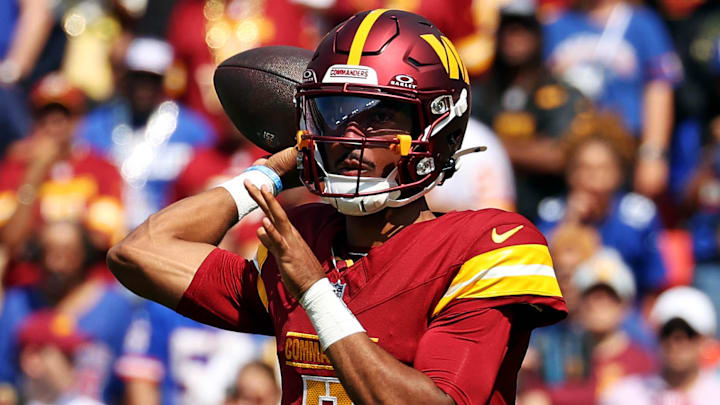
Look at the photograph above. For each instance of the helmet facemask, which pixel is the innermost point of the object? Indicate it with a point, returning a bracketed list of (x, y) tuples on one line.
[(360, 120)]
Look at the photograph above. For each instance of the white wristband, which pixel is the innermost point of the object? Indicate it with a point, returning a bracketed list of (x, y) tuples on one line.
[(236, 187), (328, 313)]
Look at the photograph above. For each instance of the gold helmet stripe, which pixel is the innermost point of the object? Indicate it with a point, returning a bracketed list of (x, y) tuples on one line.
[(456, 56), (438, 47), (361, 35), (448, 55)]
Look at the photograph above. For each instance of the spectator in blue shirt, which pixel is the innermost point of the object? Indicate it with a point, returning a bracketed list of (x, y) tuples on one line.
[(88, 304), (172, 360), (621, 56), (147, 136), (627, 222)]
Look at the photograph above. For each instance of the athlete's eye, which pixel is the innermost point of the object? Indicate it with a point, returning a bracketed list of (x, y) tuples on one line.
[(381, 117)]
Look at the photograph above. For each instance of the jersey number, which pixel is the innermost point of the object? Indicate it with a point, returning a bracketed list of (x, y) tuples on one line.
[(324, 391)]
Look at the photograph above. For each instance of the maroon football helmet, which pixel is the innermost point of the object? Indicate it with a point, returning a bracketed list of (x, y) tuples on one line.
[(394, 81)]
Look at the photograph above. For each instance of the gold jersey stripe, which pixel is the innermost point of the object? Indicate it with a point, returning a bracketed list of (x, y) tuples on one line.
[(502, 272), (309, 365), (260, 258), (358, 43), (546, 286), (506, 256), (302, 335), (262, 293), (520, 285), (262, 255)]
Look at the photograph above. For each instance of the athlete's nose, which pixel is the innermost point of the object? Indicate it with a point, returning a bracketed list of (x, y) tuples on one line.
[(352, 130)]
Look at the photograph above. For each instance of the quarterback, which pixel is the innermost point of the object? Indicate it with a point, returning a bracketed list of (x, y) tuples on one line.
[(372, 298)]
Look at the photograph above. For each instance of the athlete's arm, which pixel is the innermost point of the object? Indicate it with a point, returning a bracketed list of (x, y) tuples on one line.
[(469, 355), (371, 375), (159, 259)]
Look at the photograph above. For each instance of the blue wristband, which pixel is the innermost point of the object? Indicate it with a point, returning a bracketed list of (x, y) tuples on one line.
[(271, 174)]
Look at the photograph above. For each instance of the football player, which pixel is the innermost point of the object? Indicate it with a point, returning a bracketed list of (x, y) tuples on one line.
[(372, 298)]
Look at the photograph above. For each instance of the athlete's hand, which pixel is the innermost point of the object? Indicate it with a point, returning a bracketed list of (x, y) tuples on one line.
[(284, 163), (298, 265)]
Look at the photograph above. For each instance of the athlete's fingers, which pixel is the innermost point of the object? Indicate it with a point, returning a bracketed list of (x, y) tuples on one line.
[(258, 197), (273, 233), (279, 216), (270, 243), (265, 240)]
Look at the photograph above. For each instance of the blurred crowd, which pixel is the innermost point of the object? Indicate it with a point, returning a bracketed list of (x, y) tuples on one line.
[(600, 127)]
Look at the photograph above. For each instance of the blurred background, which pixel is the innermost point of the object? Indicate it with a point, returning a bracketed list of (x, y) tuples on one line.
[(601, 127)]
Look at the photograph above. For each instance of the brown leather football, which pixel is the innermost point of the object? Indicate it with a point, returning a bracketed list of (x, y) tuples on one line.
[(256, 89)]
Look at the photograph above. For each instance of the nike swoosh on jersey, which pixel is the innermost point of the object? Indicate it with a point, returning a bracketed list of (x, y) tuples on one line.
[(500, 238)]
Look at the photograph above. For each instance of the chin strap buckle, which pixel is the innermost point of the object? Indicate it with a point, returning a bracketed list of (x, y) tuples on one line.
[(302, 143), (403, 145)]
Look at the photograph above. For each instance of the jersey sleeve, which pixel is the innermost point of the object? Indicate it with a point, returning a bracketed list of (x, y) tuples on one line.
[(473, 353), (508, 262), (226, 293)]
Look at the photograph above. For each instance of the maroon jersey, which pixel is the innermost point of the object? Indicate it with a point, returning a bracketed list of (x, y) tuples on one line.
[(454, 297)]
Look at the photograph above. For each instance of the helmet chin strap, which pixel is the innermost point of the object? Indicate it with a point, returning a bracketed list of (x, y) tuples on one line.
[(366, 205)]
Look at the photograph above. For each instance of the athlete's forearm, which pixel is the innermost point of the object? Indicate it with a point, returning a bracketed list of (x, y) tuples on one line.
[(158, 259), (371, 375)]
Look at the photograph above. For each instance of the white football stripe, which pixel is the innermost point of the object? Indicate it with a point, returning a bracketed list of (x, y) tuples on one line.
[(505, 271)]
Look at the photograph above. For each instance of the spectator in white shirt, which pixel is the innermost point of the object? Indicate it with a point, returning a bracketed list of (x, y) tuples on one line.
[(685, 318)]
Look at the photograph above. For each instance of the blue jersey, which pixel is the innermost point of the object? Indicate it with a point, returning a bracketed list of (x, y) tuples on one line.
[(149, 158), (632, 228), (615, 73), (191, 362), (105, 323)]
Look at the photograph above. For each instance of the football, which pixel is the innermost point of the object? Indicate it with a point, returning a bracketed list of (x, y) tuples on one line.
[(256, 89)]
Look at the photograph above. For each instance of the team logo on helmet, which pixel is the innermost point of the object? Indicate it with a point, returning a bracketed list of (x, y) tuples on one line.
[(404, 81), (448, 56)]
